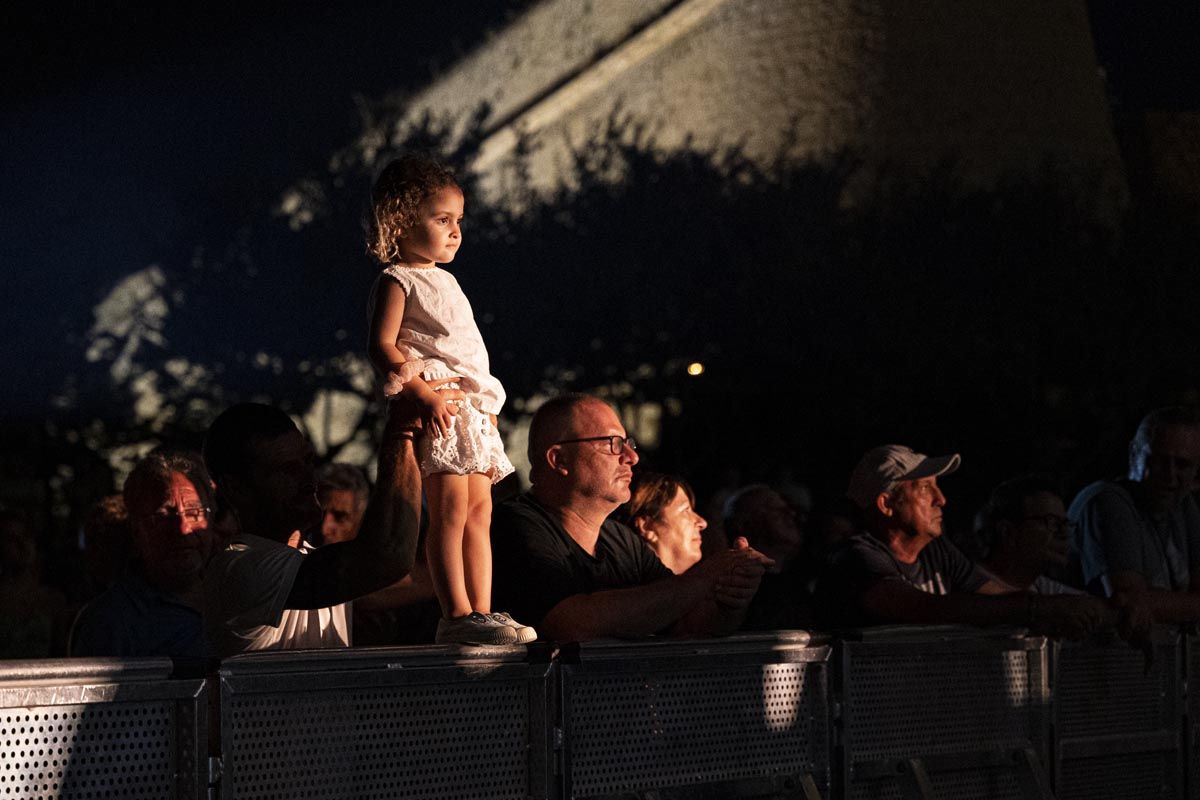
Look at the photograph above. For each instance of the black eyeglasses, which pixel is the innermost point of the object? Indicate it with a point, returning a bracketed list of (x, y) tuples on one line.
[(616, 444), (193, 514), (1051, 521)]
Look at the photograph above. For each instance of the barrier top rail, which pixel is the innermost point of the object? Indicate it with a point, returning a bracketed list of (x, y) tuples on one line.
[(76, 670), (374, 658), (781, 643), (947, 633)]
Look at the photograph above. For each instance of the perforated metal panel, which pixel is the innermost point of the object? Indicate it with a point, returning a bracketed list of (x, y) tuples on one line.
[(982, 783), (1105, 690), (88, 751), (421, 731), (1109, 710), (70, 732), (1139, 775), (938, 699), (655, 721)]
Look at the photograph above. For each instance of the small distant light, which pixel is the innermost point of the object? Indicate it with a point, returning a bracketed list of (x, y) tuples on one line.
[(695, 368)]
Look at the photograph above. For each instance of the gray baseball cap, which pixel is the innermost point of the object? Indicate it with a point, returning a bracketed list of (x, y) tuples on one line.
[(881, 468)]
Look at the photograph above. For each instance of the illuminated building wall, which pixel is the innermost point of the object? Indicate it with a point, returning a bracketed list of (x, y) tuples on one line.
[(995, 88)]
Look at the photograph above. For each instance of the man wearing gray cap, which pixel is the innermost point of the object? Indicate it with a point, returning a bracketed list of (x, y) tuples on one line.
[(901, 569)]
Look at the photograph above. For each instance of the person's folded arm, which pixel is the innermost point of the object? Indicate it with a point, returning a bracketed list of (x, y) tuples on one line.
[(1166, 606), (894, 601), (687, 604), (628, 613), (995, 586)]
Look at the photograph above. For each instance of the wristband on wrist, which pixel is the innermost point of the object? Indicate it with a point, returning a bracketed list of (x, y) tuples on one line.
[(394, 384)]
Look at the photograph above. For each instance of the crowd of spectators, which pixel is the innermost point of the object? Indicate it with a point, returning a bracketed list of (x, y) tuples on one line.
[(249, 546)]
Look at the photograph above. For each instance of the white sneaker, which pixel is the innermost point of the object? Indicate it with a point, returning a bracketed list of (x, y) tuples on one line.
[(525, 634), (474, 628)]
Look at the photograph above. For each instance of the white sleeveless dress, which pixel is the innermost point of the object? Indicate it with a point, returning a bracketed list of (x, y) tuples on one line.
[(439, 329)]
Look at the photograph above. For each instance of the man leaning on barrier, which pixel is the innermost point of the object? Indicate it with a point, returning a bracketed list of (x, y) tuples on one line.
[(901, 569), (267, 590), (563, 565), (1139, 537), (1024, 525)]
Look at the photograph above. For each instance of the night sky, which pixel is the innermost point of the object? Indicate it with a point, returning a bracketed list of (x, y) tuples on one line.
[(122, 123), (119, 119)]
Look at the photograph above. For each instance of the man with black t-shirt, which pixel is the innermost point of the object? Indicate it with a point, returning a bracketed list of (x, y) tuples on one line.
[(574, 574), (901, 569)]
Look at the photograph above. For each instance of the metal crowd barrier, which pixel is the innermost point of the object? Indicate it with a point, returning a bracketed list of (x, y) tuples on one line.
[(915, 713), (1118, 719), (746, 716), (426, 722), (916, 722), (101, 728)]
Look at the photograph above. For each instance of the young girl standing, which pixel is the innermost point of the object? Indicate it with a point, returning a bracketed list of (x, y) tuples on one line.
[(424, 338)]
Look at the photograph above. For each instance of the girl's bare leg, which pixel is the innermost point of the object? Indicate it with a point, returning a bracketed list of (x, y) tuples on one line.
[(447, 495), (477, 543)]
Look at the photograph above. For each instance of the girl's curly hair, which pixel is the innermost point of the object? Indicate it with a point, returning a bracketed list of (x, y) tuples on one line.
[(398, 190)]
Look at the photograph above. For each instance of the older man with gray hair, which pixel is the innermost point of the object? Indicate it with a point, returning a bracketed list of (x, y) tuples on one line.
[(902, 570), (1140, 536), (343, 492)]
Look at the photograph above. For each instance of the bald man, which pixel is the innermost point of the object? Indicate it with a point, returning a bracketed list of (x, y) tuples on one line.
[(575, 574)]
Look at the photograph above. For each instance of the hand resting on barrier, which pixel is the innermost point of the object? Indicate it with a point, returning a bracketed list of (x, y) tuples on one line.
[(1069, 616)]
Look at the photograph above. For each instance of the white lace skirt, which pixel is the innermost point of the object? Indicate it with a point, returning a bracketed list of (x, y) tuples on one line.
[(471, 446)]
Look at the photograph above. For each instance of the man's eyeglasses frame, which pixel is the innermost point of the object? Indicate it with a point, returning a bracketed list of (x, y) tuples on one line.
[(616, 444)]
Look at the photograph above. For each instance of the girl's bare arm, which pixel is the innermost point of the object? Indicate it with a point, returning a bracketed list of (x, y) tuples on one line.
[(385, 328), (386, 356)]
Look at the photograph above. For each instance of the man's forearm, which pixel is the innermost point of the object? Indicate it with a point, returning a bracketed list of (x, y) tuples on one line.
[(386, 544), (889, 601), (413, 588), (384, 550), (624, 613), (1166, 606), (710, 618), (1172, 607)]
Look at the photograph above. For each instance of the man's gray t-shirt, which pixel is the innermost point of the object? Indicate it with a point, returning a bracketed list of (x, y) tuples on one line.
[(863, 561), (1112, 532)]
